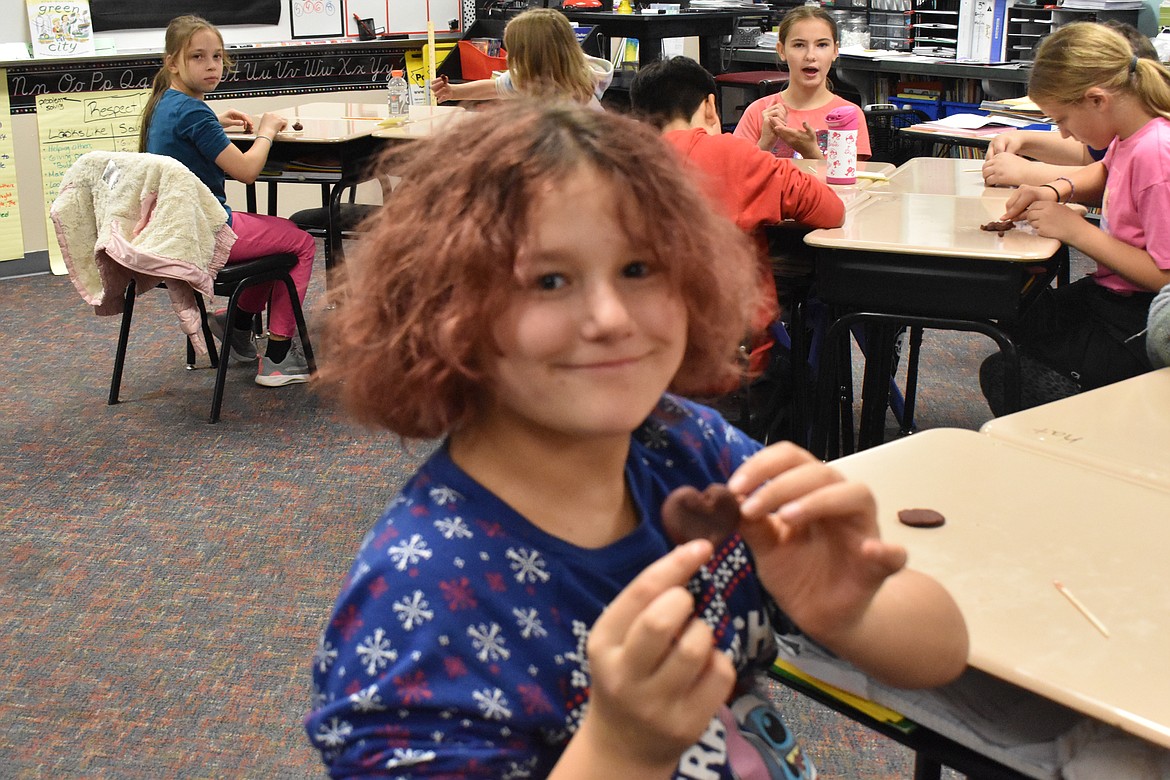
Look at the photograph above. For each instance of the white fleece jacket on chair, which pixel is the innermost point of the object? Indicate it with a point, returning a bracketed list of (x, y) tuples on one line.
[(123, 215)]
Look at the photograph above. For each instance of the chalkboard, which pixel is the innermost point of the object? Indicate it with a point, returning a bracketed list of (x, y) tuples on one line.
[(317, 18), (138, 14), (300, 69)]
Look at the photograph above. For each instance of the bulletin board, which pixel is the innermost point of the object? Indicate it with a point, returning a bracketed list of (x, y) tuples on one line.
[(317, 18), (11, 235)]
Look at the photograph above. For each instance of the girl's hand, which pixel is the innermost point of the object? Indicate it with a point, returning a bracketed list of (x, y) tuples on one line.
[(1052, 220), (441, 87), (235, 120), (802, 139), (271, 124), (657, 677), (1005, 169), (815, 539), (1010, 142), (773, 118), (1023, 198)]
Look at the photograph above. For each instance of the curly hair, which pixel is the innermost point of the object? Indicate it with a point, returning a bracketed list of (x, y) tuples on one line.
[(437, 263)]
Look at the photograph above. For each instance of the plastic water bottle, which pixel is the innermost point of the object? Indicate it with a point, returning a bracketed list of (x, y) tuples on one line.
[(397, 95), (841, 153)]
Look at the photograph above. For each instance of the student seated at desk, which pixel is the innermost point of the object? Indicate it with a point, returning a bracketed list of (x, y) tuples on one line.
[(544, 61), (1091, 332), (792, 122), (519, 610), (749, 185), (1037, 156), (178, 123)]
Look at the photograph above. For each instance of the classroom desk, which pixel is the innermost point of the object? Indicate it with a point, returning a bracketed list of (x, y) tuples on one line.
[(943, 176), (422, 122), (650, 29), (1121, 429), (338, 137), (909, 259), (1016, 521)]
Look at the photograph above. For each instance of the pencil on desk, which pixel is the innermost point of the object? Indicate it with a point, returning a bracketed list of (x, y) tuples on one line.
[(1097, 624)]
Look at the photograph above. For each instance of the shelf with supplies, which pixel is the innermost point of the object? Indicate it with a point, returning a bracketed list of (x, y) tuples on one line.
[(1027, 25)]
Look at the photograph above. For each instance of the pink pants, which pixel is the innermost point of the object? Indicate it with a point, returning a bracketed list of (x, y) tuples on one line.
[(259, 235)]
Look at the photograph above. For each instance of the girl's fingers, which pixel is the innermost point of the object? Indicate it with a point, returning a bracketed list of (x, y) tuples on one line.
[(670, 571), (835, 501), (654, 636)]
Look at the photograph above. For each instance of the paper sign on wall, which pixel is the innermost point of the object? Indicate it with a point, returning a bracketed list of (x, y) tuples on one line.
[(68, 126), (11, 234)]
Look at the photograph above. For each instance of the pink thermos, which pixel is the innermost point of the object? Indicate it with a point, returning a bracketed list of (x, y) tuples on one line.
[(841, 152)]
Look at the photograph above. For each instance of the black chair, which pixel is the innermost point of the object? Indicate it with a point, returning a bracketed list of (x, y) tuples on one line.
[(755, 83), (315, 222), (230, 281)]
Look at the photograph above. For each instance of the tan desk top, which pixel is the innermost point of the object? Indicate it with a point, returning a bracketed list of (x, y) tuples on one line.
[(326, 122), (942, 176), (850, 194), (924, 224), (1016, 522), (1123, 429), (422, 122)]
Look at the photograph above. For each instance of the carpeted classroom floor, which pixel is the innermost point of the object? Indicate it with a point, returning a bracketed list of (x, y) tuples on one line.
[(165, 580)]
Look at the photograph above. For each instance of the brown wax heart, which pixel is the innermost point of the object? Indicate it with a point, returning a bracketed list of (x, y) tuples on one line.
[(712, 514)]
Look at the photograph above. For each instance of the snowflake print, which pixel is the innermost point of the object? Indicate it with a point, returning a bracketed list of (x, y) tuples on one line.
[(453, 528), (409, 757), (413, 610), (442, 496), (529, 622), (367, 700), (654, 435), (488, 643), (375, 651), (528, 565), (409, 552), (324, 655), (492, 703), (413, 687), (459, 594), (334, 734)]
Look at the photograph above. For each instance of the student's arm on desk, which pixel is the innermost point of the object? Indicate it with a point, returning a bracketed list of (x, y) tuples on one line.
[(815, 542), (1041, 145), (482, 89), (1052, 220), (246, 166)]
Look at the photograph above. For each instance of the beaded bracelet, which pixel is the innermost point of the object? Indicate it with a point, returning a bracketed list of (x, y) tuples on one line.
[(1072, 188), (1049, 186)]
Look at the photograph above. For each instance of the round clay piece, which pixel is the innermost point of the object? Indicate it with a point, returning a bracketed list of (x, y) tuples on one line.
[(921, 518), (712, 514)]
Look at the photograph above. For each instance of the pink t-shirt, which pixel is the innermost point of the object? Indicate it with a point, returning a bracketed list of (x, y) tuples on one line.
[(753, 119), (1137, 197)]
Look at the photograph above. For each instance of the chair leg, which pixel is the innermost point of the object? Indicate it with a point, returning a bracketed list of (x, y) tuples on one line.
[(302, 328), (911, 381), (123, 340), (212, 353), (221, 368)]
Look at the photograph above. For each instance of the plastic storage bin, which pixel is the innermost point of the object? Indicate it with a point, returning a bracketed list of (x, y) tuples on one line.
[(477, 65), (932, 108), (950, 108)]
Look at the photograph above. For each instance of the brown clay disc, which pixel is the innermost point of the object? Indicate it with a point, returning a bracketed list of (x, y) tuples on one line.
[(712, 514), (297, 126), (920, 518)]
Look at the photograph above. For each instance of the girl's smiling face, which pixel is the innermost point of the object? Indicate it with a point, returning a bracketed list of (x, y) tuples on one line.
[(593, 331), (200, 67), (809, 51)]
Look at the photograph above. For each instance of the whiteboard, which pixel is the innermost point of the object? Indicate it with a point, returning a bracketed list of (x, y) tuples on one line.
[(403, 17), (316, 18)]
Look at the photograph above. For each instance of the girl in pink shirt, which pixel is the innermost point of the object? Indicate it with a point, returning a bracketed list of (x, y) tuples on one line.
[(792, 122), (1091, 333)]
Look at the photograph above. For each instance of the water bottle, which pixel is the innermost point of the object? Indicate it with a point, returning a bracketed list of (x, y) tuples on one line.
[(841, 153), (397, 95)]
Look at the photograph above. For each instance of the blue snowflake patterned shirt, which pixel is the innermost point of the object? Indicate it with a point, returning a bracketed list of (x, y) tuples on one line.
[(457, 645)]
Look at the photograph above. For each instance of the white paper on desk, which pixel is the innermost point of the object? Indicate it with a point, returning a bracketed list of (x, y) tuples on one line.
[(975, 121)]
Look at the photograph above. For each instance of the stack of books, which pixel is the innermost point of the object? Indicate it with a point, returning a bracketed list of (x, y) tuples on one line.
[(1015, 108), (920, 90)]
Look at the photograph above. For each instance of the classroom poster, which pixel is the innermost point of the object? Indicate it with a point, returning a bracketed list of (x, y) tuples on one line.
[(11, 236), (68, 126), (60, 28)]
